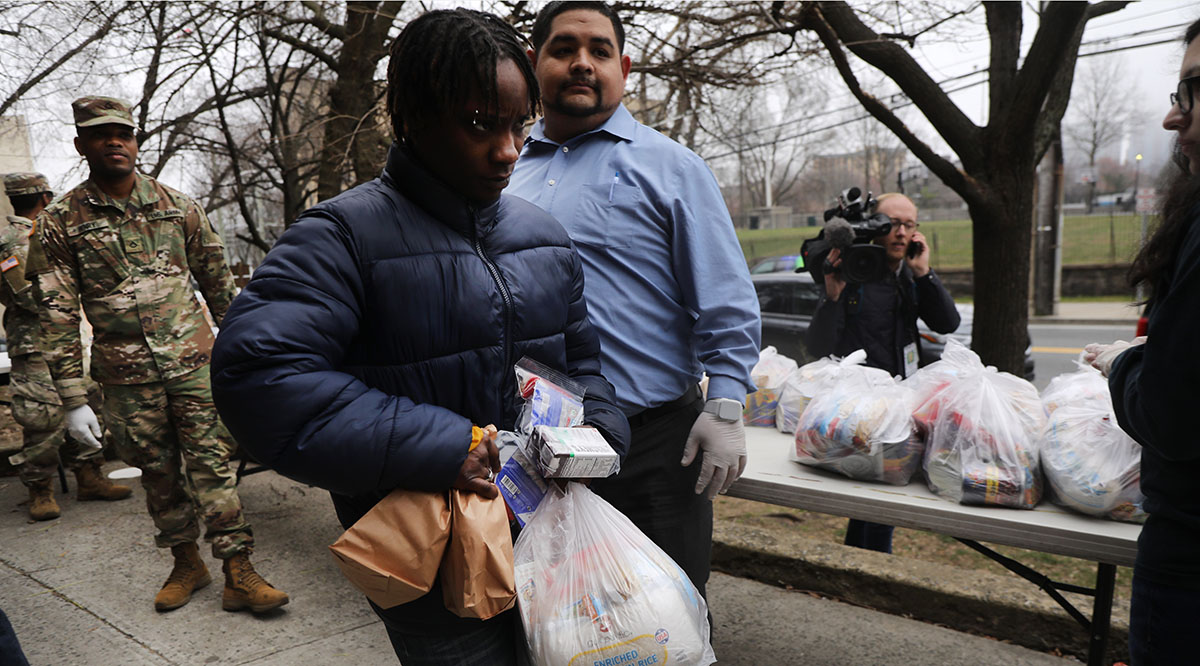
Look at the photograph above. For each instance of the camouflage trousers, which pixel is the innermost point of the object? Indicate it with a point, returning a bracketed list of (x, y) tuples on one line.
[(36, 408), (171, 431)]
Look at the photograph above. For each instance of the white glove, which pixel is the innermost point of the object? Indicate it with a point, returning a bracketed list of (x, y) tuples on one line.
[(83, 426), (1101, 356), (724, 446)]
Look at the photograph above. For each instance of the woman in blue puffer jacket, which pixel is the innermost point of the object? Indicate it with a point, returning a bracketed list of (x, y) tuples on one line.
[(385, 323)]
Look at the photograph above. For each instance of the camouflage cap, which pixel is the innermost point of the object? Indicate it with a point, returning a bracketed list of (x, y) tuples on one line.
[(29, 182), (91, 111)]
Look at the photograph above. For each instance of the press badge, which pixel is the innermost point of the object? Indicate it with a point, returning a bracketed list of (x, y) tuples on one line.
[(910, 359)]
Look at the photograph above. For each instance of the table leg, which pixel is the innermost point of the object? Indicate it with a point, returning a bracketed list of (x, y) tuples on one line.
[(1106, 576)]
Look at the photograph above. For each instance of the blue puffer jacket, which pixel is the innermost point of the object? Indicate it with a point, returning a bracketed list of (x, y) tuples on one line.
[(386, 321)]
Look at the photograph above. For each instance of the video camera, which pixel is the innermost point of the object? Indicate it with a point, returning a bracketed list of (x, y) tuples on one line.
[(851, 227)]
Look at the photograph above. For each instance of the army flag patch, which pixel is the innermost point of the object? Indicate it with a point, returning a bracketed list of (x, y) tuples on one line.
[(11, 262)]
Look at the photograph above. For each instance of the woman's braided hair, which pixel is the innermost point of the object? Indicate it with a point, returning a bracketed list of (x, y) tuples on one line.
[(438, 56)]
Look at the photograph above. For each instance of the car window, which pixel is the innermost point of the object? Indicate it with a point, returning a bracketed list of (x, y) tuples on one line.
[(774, 298), (764, 267), (805, 298)]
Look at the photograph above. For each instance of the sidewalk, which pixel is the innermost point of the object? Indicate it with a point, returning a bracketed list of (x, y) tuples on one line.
[(1085, 313), (79, 590)]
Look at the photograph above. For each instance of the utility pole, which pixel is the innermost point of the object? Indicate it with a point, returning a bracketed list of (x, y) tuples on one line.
[(1047, 250), (1137, 206), (770, 195)]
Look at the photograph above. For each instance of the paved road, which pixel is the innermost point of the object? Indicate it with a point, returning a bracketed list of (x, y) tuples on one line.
[(1056, 346)]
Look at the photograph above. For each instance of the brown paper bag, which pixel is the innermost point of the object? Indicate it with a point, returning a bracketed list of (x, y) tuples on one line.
[(392, 553), (477, 569)]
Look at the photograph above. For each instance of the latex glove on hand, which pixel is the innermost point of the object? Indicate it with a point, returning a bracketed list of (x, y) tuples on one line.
[(481, 465), (84, 427), (1101, 356), (724, 446)]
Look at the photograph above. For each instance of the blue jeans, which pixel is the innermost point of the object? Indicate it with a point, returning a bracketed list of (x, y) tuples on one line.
[(1162, 623), (10, 648), (872, 536), (493, 642)]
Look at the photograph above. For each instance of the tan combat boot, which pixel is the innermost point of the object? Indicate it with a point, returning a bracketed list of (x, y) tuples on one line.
[(91, 484), (41, 500), (244, 588), (188, 575)]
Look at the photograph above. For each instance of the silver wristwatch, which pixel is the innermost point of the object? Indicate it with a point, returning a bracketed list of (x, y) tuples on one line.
[(725, 409)]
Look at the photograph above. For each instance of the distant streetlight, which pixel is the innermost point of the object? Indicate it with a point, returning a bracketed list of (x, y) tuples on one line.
[(1137, 168)]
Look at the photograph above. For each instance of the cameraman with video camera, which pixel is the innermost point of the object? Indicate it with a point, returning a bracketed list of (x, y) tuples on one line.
[(872, 300)]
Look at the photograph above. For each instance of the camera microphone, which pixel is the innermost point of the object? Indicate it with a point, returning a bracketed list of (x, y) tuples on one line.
[(839, 233)]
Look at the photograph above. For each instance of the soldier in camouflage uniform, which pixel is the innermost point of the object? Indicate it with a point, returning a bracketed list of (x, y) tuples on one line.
[(36, 406), (126, 248)]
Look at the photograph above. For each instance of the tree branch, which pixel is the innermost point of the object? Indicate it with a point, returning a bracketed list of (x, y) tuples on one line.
[(1059, 96), (843, 26), (318, 20), (302, 45), (1004, 32), (1056, 43), (912, 39), (49, 69), (946, 170)]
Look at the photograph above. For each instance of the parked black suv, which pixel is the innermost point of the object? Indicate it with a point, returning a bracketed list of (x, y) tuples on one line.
[(787, 302)]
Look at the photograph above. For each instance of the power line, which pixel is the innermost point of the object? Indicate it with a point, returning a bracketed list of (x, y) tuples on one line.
[(831, 126), (939, 84), (851, 107), (1128, 48)]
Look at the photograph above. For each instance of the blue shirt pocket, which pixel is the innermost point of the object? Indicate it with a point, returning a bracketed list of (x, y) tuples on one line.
[(608, 215)]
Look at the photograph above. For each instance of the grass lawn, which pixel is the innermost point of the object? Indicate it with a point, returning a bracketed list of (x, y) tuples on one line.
[(1094, 239)]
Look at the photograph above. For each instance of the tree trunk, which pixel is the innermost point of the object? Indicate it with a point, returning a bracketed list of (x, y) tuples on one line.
[(352, 135), (1002, 228)]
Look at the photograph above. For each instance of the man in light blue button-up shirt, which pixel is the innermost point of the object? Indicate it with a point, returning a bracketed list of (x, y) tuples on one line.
[(666, 284)]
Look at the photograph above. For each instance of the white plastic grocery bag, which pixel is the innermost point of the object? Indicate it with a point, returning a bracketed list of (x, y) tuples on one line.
[(800, 387), (1091, 465), (1086, 384), (768, 376), (981, 430), (591, 588), (859, 423)]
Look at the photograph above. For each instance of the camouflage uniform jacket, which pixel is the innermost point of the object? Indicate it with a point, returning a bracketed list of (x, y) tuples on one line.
[(20, 311), (131, 270)]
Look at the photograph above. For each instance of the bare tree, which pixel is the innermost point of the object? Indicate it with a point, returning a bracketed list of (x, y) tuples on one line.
[(356, 138), (1100, 111), (1027, 94), (40, 40), (882, 154), (752, 126)]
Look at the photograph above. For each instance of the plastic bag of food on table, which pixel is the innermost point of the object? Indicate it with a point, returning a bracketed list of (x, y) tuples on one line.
[(798, 389), (592, 589), (981, 429), (768, 376), (859, 423), (1085, 384), (1091, 465)]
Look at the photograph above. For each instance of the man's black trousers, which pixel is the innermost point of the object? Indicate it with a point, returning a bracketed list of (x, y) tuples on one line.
[(658, 494)]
